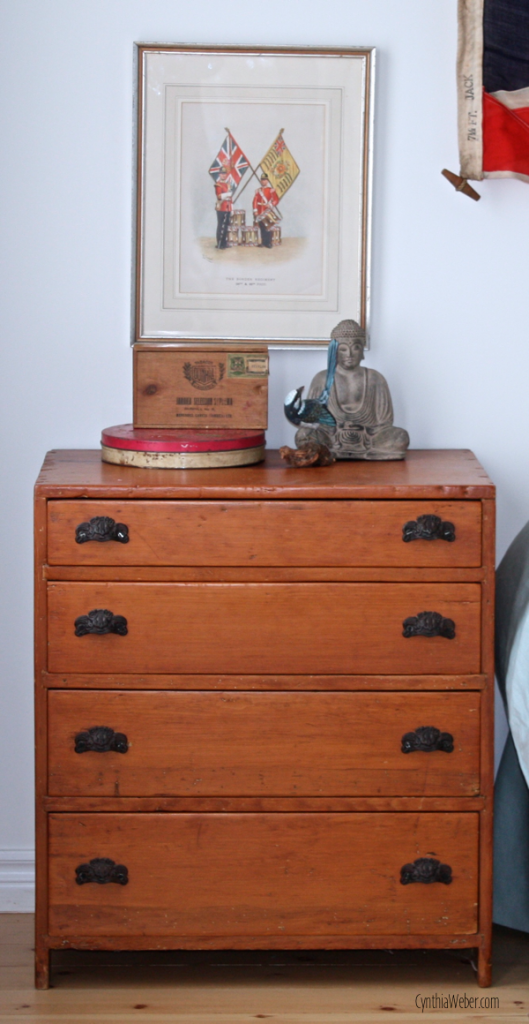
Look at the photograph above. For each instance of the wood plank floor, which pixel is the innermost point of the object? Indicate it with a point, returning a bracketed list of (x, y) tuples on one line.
[(241, 988)]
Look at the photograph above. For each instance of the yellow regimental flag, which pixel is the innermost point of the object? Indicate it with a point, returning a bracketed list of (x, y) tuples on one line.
[(280, 166)]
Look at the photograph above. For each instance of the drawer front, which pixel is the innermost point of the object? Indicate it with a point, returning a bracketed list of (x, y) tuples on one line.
[(270, 533), (232, 875), (262, 744), (292, 628)]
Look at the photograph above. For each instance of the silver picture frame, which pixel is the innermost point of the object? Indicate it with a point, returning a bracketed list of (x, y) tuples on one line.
[(254, 178)]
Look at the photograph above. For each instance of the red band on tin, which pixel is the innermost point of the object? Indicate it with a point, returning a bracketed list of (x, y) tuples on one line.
[(142, 439)]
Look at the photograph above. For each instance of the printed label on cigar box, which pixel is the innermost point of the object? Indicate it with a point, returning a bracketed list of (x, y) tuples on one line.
[(242, 365), (219, 410)]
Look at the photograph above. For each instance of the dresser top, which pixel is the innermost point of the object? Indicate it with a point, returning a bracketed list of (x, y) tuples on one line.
[(429, 474)]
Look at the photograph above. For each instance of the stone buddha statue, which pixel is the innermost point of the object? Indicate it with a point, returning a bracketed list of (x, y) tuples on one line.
[(358, 400)]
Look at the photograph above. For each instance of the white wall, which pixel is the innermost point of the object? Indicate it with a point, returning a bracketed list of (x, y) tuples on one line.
[(449, 322)]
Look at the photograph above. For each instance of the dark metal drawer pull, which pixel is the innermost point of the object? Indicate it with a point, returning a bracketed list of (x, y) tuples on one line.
[(426, 870), (101, 870), (428, 528), (102, 528), (101, 739), (429, 624), (427, 738), (100, 621)]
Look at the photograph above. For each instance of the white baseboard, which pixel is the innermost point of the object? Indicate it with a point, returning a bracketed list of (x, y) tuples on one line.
[(17, 881)]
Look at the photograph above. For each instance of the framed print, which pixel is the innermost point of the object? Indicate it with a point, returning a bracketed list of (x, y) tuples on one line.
[(254, 180)]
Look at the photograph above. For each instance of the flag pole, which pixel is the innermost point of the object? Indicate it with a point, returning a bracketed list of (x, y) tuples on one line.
[(248, 180)]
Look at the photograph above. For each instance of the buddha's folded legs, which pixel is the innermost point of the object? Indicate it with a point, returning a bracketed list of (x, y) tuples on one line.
[(358, 442)]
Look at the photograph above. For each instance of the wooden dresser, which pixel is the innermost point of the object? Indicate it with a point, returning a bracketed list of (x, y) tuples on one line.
[(276, 732)]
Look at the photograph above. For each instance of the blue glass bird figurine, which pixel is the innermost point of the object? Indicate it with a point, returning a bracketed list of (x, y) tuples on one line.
[(313, 410)]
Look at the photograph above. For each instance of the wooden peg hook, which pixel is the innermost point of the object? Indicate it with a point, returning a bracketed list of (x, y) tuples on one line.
[(461, 184)]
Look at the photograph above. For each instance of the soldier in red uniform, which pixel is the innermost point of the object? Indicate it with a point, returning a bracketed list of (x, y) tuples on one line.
[(223, 206), (264, 201)]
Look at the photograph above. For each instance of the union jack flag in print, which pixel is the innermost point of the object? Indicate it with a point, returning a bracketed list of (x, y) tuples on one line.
[(230, 158)]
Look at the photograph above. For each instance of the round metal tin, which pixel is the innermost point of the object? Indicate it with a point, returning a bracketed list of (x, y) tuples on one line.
[(171, 448)]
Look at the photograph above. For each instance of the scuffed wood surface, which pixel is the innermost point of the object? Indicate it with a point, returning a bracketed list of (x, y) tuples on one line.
[(427, 474), (263, 744), (235, 875), (256, 533), (277, 627)]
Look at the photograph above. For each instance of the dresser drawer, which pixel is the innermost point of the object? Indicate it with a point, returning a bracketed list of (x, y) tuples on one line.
[(235, 875), (261, 744), (265, 533), (298, 628)]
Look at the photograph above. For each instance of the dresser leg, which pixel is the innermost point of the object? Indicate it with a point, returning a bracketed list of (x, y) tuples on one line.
[(42, 967), (484, 966)]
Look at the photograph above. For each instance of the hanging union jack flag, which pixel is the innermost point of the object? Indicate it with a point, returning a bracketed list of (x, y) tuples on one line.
[(230, 158), (493, 88)]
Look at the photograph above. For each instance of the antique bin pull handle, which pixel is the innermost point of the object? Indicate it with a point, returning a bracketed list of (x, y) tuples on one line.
[(426, 738), (100, 621), (429, 624), (101, 870), (101, 528), (101, 739), (426, 870), (428, 528)]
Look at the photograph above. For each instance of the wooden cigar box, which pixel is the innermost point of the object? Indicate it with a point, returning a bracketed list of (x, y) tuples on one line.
[(206, 386)]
